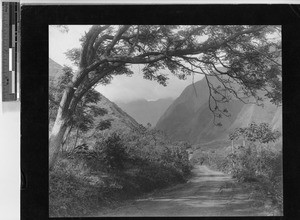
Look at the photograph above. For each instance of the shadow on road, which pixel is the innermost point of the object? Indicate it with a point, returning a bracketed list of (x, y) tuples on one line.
[(208, 193)]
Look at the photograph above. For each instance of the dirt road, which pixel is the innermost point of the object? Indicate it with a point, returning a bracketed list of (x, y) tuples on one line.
[(208, 193)]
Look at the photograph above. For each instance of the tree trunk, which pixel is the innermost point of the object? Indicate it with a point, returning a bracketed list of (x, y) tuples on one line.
[(232, 151), (60, 126), (66, 108), (67, 136), (77, 133), (56, 139)]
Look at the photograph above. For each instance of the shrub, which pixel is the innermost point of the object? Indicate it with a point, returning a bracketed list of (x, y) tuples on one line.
[(112, 151), (166, 154)]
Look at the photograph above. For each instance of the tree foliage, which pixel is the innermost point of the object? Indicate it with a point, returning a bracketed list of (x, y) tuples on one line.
[(261, 133), (244, 59), (236, 55)]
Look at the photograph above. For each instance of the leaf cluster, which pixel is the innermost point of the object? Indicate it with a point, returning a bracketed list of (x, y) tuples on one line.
[(261, 133)]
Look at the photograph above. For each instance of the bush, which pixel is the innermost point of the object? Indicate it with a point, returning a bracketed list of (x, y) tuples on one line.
[(161, 151), (112, 151)]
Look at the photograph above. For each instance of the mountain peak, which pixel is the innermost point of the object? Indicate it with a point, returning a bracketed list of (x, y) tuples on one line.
[(189, 118)]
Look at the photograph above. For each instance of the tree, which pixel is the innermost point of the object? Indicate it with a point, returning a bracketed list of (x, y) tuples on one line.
[(248, 57), (86, 111)]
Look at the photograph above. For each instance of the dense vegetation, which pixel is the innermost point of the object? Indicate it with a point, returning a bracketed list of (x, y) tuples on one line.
[(255, 158), (119, 167)]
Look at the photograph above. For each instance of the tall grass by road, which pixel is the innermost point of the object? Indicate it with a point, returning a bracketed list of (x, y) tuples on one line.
[(116, 169)]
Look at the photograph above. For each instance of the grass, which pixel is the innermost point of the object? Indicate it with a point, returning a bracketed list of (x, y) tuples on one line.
[(82, 187)]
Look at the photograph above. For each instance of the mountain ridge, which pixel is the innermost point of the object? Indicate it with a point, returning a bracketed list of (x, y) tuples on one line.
[(144, 111), (188, 118)]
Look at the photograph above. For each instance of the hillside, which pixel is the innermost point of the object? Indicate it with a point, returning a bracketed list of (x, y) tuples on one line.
[(144, 111), (189, 118), (120, 120), (54, 69)]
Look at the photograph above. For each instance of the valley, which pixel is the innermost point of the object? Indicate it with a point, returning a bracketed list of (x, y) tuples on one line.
[(146, 111), (181, 165)]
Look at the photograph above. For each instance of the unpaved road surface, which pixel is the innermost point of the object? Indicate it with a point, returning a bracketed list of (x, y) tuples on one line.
[(207, 193)]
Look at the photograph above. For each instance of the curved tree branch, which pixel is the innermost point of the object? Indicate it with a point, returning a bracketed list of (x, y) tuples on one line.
[(88, 49), (116, 38)]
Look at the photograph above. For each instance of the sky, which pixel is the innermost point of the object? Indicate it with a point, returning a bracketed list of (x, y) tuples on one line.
[(122, 88)]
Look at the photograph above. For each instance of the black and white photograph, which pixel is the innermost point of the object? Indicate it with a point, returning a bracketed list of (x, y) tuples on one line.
[(165, 120)]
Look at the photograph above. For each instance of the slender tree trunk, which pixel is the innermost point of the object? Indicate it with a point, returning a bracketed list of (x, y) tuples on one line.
[(232, 151), (55, 140), (67, 136), (76, 138), (60, 126)]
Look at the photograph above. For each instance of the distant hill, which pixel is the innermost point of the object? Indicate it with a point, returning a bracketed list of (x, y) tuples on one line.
[(189, 118), (54, 69), (120, 120), (144, 111)]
